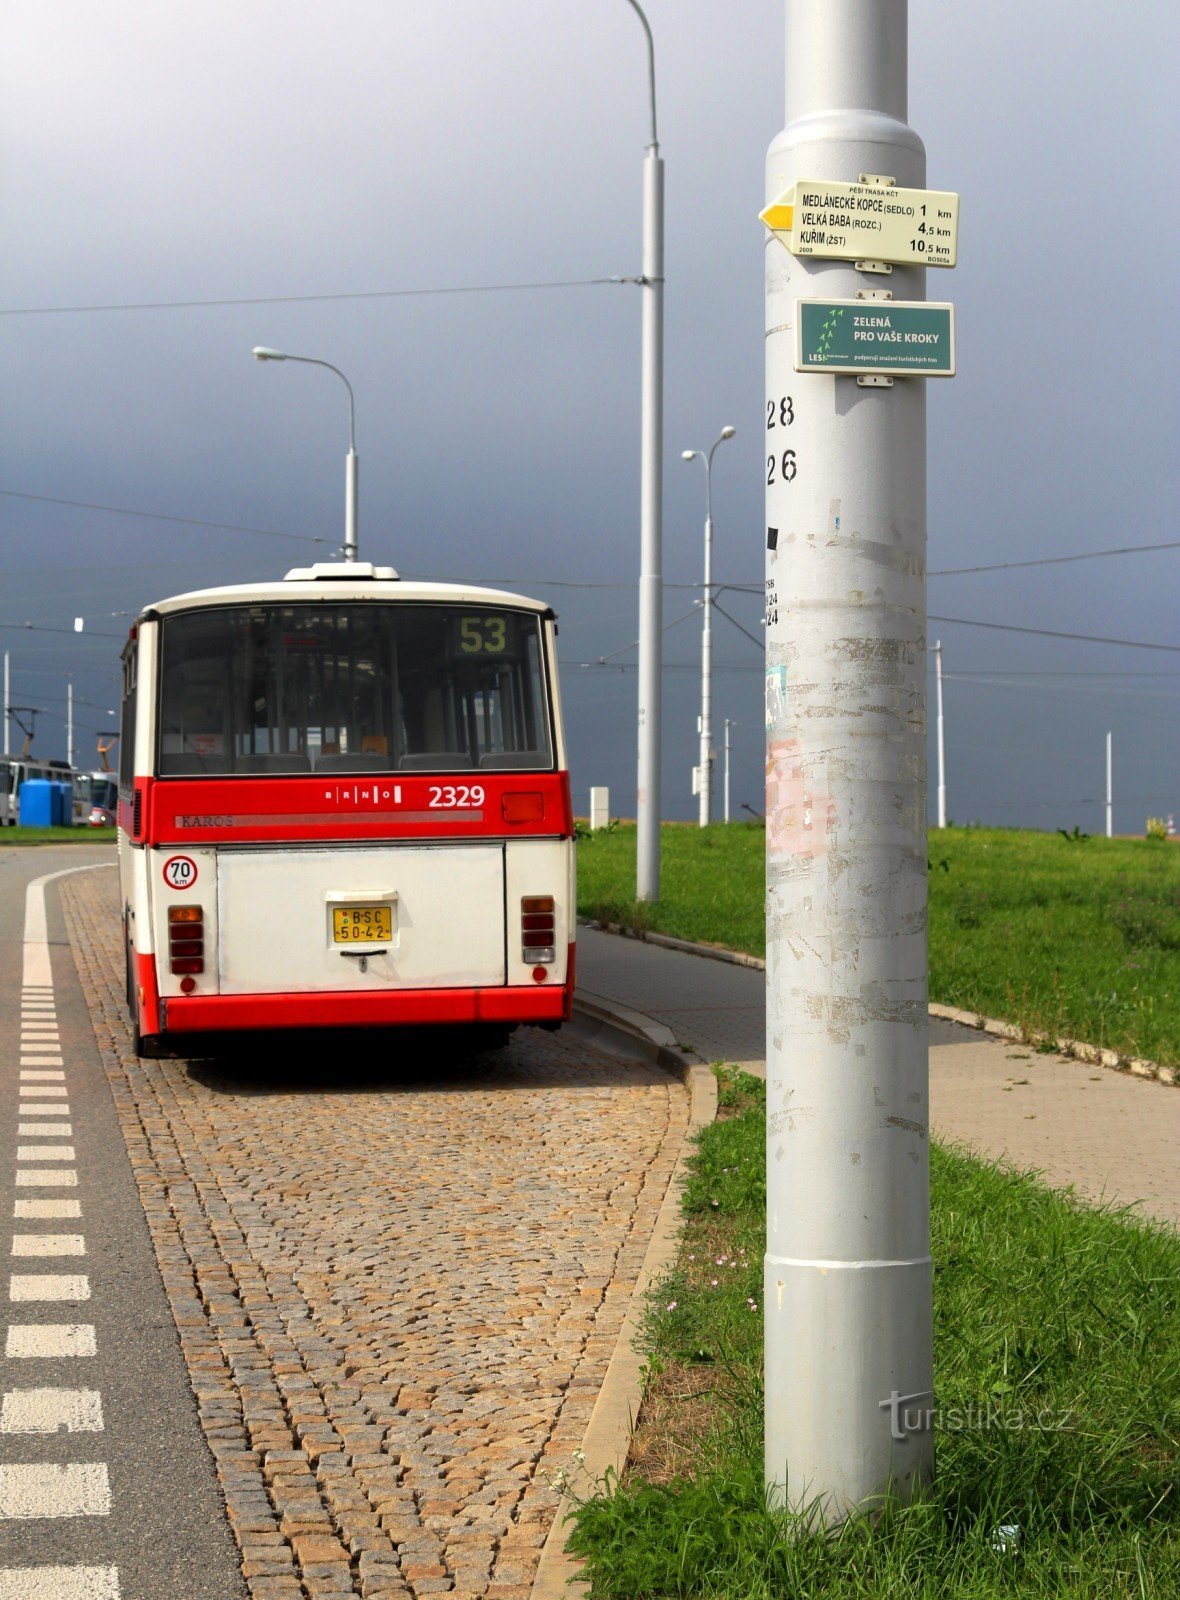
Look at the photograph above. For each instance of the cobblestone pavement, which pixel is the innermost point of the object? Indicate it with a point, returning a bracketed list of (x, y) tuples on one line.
[(396, 1292)]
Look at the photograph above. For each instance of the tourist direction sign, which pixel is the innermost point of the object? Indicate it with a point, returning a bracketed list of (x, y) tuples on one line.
[(907, 338), (866, 221)]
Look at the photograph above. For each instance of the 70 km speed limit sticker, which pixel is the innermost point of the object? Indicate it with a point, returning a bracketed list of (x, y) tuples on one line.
[(180, 872)]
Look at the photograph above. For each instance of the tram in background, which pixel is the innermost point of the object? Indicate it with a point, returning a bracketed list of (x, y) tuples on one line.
[(343, 802), (96, 799), (13, 772)]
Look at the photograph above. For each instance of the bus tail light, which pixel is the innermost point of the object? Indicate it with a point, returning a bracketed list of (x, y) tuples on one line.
[(538, 928), (186, 938), (523, 806)]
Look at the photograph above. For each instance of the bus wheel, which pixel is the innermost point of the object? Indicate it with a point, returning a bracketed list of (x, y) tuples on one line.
[(148, 1046)]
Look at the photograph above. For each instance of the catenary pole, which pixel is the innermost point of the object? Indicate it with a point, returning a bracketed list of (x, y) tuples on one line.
[(848, 1274), (651, 493), (728, 727), (6, 702), (705, 718), (941, 745), (1109, 788), (69, 724)]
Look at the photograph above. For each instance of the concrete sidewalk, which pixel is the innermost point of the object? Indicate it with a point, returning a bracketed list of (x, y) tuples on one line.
[(1108, 1135)]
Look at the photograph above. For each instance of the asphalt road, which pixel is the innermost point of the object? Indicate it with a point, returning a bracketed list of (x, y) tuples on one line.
[(120, 1501)]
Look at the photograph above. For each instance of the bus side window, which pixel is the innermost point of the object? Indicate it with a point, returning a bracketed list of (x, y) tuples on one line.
[(127, 721)]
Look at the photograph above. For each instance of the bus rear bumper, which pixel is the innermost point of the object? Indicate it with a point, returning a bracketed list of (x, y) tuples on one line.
[(343, 1009)]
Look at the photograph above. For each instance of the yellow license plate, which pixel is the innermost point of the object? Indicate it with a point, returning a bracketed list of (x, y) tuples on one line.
[(362, 924)]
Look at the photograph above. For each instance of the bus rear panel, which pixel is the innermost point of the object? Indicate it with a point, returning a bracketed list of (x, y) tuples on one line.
[(344, 803)]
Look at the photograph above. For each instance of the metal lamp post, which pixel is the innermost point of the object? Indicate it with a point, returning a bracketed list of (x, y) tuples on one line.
[(351, 463), (651, 493), (705, 770)]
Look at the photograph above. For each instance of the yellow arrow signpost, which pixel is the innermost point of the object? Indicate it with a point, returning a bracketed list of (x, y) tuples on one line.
[(866, 221)]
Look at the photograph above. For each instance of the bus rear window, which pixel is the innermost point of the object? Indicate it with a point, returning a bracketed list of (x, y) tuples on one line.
[(352, 688)]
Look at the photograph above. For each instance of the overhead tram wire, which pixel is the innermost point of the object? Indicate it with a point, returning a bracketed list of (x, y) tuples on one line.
[(1053, 633), (313, 299), (161, 516), (1056, 561)]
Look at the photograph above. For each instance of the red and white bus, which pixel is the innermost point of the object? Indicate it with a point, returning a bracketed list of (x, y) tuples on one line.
[(343, 802)]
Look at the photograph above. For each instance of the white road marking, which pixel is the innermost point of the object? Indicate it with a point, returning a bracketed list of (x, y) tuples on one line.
[(40, 1108), (49, 1286), (45, 1152), (31, 1035), (45, 1130), (45, 1091), (77, 1490), (26, 1210), (46, 1178), (59, 1583), (51, 1340), (51, 1411), (56, 1076), (48, 1244)]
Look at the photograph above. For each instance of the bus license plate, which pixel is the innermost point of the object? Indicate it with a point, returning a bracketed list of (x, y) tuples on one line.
[(361, 924)]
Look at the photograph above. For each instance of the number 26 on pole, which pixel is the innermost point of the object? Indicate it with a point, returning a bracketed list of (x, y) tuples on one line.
[(787, 467)]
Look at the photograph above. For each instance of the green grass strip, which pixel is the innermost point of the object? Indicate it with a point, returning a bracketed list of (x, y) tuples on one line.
[(1057, 1376), (1062, 935)]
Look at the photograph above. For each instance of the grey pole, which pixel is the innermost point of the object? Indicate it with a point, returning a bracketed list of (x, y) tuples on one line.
[(728, 727), (69, 725), (941, 747), (848, 1283), (6, 700), (351, 461), (1109, 788), (705, 720), (651, 495)]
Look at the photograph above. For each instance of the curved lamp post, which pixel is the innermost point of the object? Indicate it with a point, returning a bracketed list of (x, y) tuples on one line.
[(651, 583), (705, 728), (351, 463)]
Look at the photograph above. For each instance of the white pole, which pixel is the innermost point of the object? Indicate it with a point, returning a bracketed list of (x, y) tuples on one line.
[(351, 465), (1109, 791), (705, 808), (941, 747), (705, 719), (70, 725), (6, 703), (848, 1284), (651, 491), (728, 727)]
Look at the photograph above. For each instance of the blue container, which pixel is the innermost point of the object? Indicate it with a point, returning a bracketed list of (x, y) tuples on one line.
[(62, 803), (36, 803)]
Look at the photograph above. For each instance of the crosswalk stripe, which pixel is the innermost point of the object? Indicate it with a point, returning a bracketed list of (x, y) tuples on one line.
[(78, 1489), (43, 1108), (29, 1210), (50, 1340), (51, 1411), (44, 1130), (49, 1286), (59, 1583), (45, 1152), (48, 1244), (46, 1178)]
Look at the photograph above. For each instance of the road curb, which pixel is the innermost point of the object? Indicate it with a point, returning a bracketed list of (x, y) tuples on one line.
[(608, 1435), (1078, 1049)]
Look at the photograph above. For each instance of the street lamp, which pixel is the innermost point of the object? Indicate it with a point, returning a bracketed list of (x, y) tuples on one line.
[(651, 494), (705, 770), (261, 353)]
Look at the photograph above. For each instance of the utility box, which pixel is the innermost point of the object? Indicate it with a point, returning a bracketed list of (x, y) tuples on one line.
[(46, 803), (599, 808), (62, 803), (36, 803)]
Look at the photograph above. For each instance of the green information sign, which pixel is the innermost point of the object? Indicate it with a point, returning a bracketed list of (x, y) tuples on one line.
[(906, 338)]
